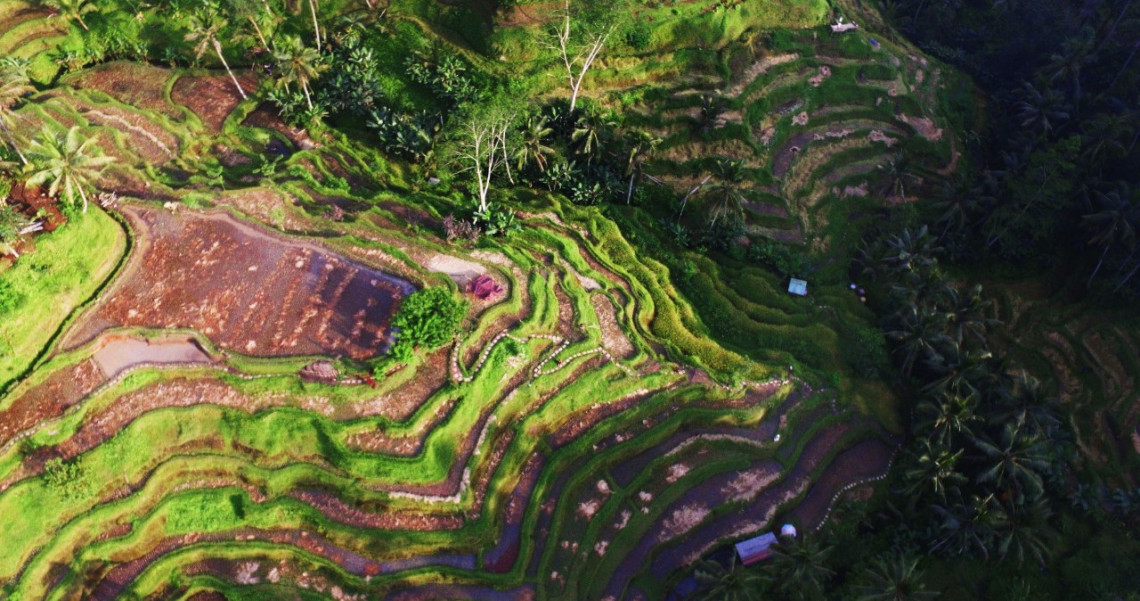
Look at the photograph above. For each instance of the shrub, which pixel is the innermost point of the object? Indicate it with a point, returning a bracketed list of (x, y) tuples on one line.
[(10, 298), (427, 318), (864, 349)]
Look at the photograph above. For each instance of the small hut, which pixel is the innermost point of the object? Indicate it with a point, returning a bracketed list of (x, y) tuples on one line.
[(756, 549)]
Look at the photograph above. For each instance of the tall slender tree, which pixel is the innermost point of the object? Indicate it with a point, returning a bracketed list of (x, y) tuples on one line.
[(299, 64), (204, 28)]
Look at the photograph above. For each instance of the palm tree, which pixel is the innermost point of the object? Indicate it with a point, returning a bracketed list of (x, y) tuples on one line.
[(250, 10), (946, 416), (14, 85), (899, 174), (1066, 66), (1114, 221), (68, 163), (1041, 111), (908, 252), (959, 369), (966, 527), (726, 194), (532, 148), (204, 27), (1106, 133), (299, 64), (968, 314), (920, 334), (895, 579), (934, 469), (720, 584), (642, 144), (72, 9), (1024, 403), (591, 132), (1015, 462), (1023, 530), (801, 566)]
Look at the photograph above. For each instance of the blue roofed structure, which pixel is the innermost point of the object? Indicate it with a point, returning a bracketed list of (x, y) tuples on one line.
[(797, 287), (756, 549)]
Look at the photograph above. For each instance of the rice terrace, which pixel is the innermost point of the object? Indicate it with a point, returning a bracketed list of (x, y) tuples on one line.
[(523, 300)]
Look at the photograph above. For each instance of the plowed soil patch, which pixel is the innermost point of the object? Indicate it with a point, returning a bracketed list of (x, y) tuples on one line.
[(211, 97), (245, 289), (49, 399), (137, 84)]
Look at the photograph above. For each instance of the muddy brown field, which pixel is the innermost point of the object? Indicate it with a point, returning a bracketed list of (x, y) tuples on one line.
[(245, 289)]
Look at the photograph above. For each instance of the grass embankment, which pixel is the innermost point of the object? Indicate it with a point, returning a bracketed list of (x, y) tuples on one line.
[(39, 293)]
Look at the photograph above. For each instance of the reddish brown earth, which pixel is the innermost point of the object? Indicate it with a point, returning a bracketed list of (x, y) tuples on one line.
[(246, 290), (211, 97), (49, 399), (136, 84)]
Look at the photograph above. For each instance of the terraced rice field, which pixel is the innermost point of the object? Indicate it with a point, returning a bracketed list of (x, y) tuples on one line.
[(814, 128), (1093, 359), (575, 441)]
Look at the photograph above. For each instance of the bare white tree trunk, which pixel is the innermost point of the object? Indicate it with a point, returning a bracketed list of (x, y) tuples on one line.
[(218, 49), (578, 62), (484, 150), (260, 36), (316, 26)]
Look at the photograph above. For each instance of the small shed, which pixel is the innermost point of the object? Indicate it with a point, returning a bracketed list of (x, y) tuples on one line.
[(756, 549), (797, 287)]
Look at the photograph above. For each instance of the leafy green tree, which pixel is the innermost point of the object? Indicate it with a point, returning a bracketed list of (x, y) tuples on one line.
[(14, 85), (732, 584), (72, 9), (299, 65), (67, 163), (204, 28), (427, 319)]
